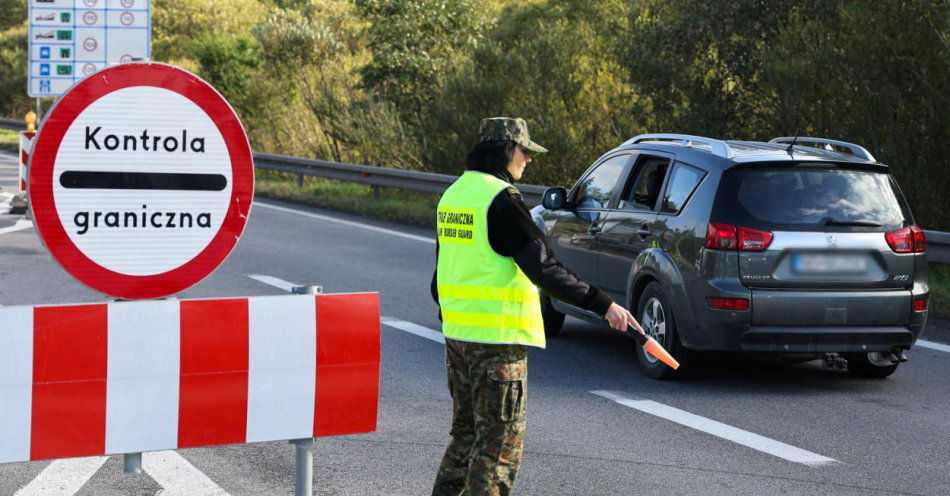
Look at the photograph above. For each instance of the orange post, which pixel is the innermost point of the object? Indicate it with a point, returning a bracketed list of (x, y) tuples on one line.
[(30, 119)]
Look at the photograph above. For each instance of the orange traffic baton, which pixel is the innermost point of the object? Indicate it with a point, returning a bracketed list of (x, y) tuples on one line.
[(652, 347)]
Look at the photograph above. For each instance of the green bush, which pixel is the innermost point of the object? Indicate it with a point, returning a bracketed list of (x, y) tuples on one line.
[(938, 278)]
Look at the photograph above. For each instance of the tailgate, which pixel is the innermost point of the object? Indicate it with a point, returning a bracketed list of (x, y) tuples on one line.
[(829, 260)]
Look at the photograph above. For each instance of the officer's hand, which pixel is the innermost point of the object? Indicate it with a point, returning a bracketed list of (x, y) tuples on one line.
[(619, 318)]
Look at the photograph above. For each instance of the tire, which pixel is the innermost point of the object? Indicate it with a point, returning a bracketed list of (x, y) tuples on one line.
[(863, 365), (553, 320), (656, 316)]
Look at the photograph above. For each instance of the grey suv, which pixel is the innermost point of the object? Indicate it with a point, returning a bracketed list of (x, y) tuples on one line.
[(803, 247)]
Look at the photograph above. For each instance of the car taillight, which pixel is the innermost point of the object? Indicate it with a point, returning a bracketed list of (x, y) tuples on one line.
[(920, 239), (753, 240), (921, 304), (721, 237), (907, 240), (729, 237), (728, 303)]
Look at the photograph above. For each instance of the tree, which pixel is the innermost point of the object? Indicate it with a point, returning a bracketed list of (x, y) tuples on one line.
[(13, 59), (415, 44), (555, 64), (875, 73)]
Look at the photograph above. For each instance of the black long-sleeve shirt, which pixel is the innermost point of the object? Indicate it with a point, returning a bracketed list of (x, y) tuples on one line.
[(512, 233)]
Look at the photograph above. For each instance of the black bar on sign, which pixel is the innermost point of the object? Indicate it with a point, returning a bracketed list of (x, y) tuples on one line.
[(142, 180)]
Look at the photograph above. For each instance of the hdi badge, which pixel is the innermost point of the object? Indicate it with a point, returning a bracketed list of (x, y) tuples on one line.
[(141, 180)]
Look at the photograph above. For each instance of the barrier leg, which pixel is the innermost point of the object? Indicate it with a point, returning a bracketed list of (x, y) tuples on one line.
[(132, 463), (304, 471), (306, 289)]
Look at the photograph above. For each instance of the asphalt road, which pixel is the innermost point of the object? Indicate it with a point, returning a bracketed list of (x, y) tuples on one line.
[(751, 427)]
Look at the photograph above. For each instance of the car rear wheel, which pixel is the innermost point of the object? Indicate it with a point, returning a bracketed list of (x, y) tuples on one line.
[(656, 318), (553, 320), (870, 365)]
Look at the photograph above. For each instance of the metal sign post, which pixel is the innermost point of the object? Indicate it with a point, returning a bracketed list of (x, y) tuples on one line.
[(303, 473)]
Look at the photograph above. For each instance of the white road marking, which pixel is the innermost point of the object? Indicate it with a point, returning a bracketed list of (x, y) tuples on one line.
[(273, 281), (718, 429), (5, 199), (178, 476), (63, 477), (402, 325), (348, 223), (416, 329), (933, 346), (19, 226)]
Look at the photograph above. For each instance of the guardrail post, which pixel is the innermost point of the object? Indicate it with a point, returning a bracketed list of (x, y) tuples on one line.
[(303, 472), (299, 180), (375, 191)]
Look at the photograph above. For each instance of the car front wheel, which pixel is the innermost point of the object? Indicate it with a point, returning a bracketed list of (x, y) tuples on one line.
[(656, 317)]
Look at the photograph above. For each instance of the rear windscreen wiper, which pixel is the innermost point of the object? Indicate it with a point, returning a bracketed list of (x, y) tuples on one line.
[(857, 223)]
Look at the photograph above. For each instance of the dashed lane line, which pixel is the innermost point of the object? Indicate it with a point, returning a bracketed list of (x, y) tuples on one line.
[(720, 430), (63, 477), (402, 325), (5, 199), (347, 223), (933, 346), (19, 226), (416, 329), (273, 281), (178, 476)]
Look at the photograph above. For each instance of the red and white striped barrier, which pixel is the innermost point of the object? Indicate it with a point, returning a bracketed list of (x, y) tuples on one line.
[(26, 146), (126, 377)]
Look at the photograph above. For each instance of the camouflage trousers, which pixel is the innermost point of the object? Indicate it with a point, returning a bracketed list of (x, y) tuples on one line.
[(488, 384)]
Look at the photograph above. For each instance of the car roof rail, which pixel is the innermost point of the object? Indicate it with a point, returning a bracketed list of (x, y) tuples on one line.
[(720, 148), (856, 150)]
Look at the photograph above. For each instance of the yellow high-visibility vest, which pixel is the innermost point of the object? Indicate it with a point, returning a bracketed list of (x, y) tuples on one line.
[(484, 297)]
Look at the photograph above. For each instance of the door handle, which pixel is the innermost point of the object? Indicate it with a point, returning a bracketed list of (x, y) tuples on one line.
[(644, 231), (594, 229)]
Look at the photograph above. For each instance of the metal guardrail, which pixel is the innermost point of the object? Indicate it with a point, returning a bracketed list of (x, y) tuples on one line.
[(938, 243), (938, 247), (375, 176), (14, 124)]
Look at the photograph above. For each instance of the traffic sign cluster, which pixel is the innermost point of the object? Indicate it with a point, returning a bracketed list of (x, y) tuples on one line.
[(72, 39)]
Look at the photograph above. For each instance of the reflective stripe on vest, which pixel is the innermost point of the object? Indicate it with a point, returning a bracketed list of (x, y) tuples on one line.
[(484, 297)]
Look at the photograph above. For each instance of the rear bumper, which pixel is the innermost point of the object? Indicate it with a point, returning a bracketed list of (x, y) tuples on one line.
[(805, 339), (824, 339)]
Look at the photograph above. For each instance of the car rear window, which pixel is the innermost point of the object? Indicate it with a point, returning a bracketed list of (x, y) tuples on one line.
[(810, 198)]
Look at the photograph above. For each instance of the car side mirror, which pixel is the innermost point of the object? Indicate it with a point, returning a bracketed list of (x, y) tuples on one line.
[(554, 198)]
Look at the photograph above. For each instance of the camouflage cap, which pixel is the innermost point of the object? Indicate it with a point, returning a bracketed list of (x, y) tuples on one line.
[(508, 129)]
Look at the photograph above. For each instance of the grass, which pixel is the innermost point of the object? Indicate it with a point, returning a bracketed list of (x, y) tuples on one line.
[(408, 207), (938, 278), (9, 140)]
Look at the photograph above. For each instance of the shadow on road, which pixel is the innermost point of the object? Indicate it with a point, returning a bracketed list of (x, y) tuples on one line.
[(593, 357)]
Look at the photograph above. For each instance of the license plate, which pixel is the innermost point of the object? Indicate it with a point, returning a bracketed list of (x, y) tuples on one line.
[(819, 263)]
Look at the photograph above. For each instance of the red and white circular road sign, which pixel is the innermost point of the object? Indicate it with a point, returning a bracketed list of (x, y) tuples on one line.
[(141, 180)]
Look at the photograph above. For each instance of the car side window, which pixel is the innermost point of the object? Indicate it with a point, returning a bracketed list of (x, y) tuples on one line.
[(644, 190), (683, 181), (595, 190)]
